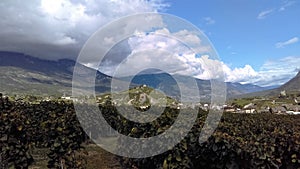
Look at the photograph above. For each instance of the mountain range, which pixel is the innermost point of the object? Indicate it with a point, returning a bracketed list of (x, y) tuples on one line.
[(291, 86), (24, 74)]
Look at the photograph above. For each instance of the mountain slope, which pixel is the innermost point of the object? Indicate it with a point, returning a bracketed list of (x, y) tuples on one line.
[(23, 74), (167, 84), (293, 84)]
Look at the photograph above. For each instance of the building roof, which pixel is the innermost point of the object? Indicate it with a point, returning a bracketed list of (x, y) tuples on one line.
[(278, 109)]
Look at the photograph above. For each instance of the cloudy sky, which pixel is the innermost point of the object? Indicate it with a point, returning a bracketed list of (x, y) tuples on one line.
[(257, 41)]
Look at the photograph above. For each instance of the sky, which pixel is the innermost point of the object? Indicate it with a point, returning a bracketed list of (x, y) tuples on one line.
[(259, 35), (257, 41)]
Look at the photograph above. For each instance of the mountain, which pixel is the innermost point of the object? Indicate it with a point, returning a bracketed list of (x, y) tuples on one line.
[(248, 88), (168, 84), (24, 74), (292, 85), (33, 64)]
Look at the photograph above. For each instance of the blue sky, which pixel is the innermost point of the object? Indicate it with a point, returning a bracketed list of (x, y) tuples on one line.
[(238, 33), (258, 42), (252, 33)]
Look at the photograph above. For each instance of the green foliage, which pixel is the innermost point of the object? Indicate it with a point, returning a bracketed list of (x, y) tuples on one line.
[(14, 136), (240, 141), (240, 103), (51, 125)]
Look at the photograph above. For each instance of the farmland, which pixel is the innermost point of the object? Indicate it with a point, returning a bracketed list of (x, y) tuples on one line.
[(48, 134)]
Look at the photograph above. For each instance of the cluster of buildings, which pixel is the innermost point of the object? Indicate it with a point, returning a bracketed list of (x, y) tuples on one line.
[(274, 109), (145, 100)]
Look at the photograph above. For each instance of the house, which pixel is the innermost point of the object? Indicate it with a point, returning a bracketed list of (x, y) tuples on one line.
[(249, 108), (216, 107), (278, 110), (47, 99), (69, 98), (205, 107), (264, 110), (66, 97), (295, 108), (282, 94), (297, 100), (229, 109)]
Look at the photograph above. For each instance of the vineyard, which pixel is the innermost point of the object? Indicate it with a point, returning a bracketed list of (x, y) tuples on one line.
[(240, 141)]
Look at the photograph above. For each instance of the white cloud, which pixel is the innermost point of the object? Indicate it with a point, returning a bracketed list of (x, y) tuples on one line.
[(160, 49), (209, 20), (66, 41), (272, 73), (265, 13), (288, 42), (168, 54), (278, 72), (110, 36), (190, 39), (239, 74), (58, 29), (286, 5)]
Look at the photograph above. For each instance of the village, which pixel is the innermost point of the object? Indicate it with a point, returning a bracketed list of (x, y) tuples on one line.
[(284, 103)]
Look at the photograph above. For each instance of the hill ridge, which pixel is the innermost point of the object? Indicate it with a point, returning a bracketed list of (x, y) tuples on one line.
[(24, 73)]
